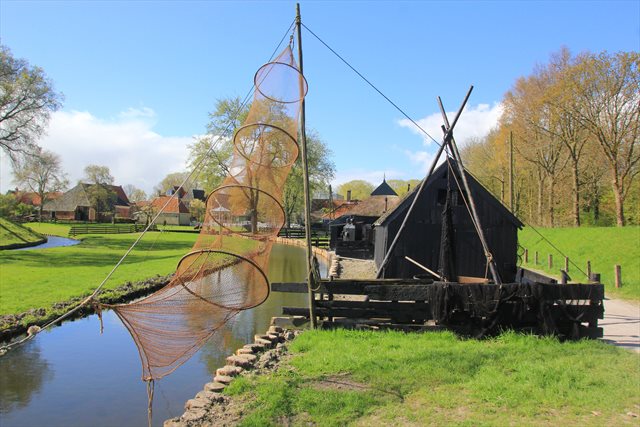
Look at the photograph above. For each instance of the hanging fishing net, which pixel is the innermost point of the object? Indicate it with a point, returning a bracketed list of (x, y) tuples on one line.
[(226, 270)]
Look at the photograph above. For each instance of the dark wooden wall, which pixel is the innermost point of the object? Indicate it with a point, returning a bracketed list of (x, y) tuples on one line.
[(421, 238)]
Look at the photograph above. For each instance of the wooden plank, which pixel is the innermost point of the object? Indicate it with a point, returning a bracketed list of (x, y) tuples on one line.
[(345, 286), (590, 291), (529, 276)]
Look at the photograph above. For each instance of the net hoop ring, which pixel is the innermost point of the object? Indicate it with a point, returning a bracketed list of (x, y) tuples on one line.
[(265, 125), (239, 258), (246, 233), (273, 64)]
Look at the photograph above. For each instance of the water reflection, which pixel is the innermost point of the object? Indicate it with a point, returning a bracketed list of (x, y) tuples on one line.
[(23, 374), (73, 376)]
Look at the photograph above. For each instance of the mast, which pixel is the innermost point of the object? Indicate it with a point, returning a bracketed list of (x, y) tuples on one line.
[(302, 137)]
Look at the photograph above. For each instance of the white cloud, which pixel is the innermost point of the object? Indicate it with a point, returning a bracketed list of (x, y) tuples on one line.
[(134, 153), (474, 122)]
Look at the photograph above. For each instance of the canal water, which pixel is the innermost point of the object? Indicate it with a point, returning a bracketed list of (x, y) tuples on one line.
[(52, 242), (73, 376)]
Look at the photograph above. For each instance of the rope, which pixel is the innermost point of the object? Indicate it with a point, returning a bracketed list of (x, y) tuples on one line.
[(95, 293), (150, 387), (400, 110)]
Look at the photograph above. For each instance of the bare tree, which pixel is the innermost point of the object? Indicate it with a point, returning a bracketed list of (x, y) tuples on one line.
[(607, 88), (27, 99), (42, 173)]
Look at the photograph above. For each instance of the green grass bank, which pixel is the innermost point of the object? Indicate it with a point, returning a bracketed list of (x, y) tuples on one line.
[(603, 246), (41, 278), (337, 378), (13, 235)]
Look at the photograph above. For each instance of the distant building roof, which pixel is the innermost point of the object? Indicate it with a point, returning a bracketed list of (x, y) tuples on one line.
[(173, 204), (384, 189), (77, 196)]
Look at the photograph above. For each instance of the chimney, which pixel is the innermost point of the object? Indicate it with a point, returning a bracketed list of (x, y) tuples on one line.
[(348, 195)]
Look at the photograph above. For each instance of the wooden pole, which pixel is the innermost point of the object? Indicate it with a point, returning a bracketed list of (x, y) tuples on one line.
[(305, 171), (566, 264), (511, 166), (419, 190), (550, 259), (536, 258), (618, 273), (526, 256), (472, 205), (588, 270)]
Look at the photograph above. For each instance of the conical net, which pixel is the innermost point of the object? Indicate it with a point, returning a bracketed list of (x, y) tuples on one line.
[(225, 272)]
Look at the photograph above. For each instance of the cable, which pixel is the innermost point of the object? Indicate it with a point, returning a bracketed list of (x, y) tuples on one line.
[(372, 85)]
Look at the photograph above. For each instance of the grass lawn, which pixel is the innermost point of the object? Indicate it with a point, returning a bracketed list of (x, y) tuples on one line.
[(40, 278), (12, 234), (341, 377), (603, 246)]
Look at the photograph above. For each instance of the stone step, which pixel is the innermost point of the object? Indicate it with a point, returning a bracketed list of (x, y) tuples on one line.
[(244, 361), (197, 403), (264, 342), (214, 387), (273, 329), (222, 379), (229, 371)]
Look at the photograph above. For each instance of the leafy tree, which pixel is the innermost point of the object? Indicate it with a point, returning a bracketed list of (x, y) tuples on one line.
[(197, 209), (27, 99), (8, 204), (102, 199), (606, 87), (42, 173), (321, 172), (134, 194), (94, 174), (401, 187), (174, 179), (360, 189)]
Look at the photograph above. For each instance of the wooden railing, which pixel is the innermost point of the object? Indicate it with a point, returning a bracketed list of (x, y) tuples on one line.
[(107, 229)]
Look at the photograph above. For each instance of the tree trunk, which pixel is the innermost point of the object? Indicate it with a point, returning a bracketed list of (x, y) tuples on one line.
[(551, 195), (540, 197), (618, 193), (576, 193)]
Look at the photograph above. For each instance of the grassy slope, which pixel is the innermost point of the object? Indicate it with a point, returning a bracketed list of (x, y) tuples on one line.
[(40, 278), (603, 246), (343, 377), (12, 233)]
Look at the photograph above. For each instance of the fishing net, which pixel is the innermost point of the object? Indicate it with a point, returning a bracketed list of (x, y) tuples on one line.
[(226, 270)]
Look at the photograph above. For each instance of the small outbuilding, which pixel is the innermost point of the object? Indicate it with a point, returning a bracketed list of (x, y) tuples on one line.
[(446, 239)]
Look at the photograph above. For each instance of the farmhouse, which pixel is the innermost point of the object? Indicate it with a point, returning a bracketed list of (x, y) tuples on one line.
[(75, 204), (175, 210), (446, 239)]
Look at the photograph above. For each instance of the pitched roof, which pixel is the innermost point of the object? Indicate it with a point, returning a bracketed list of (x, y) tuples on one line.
[(174, 205), (375, 205), (477, 189), (77, 196), (384, 189)]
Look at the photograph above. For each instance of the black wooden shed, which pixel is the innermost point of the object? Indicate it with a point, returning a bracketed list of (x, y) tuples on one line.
[(421, 239)]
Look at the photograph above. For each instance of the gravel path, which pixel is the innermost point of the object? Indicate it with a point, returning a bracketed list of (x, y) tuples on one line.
[(621, 324)]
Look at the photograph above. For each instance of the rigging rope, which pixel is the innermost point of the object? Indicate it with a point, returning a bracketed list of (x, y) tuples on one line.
[(195, 169)]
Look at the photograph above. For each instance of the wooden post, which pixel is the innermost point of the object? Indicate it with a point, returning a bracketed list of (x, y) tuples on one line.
[(588, 270), (550, 259), (618, 274), (566, 264), (536, 258), (305, 172), (511, 204), (526, 256)]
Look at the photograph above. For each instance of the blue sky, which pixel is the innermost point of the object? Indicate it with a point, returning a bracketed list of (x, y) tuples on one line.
[(139, 77)]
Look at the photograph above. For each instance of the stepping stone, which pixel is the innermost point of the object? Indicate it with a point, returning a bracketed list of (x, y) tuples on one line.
[(273, 338), (196, 404), (229, 371), (207, 395), (214, 387), (174, 422), (193, 415), (256, 348), (244, 351), (265, 343), (240, 361), (222, 379), (274, 329)]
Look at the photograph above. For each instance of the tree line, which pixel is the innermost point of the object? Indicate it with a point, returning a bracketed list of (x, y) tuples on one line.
[(571, 130)]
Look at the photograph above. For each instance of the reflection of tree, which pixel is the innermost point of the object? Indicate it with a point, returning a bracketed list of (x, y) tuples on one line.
[(23, 373)]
